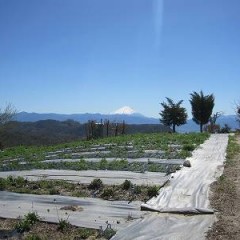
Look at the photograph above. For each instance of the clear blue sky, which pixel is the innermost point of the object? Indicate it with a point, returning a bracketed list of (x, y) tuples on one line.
[(77, 56)]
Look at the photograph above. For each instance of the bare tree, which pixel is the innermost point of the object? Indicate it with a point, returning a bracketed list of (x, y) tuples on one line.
[(7, 113), (213, 127)]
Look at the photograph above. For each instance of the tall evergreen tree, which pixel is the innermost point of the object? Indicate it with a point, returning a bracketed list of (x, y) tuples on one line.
[(173, 114), (202, 107)]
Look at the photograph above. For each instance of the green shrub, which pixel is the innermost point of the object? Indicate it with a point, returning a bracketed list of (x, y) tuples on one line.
[(26, 223), (109, 233), (53, 191), (23, 226), (126, 185), (137, 189), (103, 164), (107, 193), (32, 217), (152, 191), (96, 184), (2, 184)]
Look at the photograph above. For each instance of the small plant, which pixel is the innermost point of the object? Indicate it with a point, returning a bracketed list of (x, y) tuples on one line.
[(188, 147), (85, 233), (2, 184), (152, 191), (23, 226), (63, 224), (137, 189), (26, 223), (32, 237), (32, 217), (126, 185), (109, 233), (107, 193), (96, 184), (53, 191)]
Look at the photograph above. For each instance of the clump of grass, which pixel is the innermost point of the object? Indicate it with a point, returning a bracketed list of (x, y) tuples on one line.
[(25, 224), (233, 147), (63, 224)]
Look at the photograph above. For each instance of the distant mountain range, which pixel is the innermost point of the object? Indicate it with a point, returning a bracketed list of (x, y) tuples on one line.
[(126, 114)]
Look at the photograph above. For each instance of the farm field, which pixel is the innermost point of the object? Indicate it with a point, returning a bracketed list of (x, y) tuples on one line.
[(108, 179)]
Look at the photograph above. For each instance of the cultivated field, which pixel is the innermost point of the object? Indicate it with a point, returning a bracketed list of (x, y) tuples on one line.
[(68, 181)]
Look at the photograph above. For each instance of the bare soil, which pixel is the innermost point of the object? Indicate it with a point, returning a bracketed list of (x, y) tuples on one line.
[(226, 200), (46, 231)]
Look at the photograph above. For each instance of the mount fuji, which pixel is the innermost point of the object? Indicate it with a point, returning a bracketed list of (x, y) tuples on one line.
[(124, 110)]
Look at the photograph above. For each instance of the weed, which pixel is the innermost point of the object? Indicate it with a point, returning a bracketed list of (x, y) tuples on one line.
[(23, 226), (32, 237), (63, 224)]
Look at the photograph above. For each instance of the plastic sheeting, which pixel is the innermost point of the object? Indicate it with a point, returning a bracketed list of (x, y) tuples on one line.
[(166, 227), (187, 192), (108, 177), (188, 189), (92, 213)]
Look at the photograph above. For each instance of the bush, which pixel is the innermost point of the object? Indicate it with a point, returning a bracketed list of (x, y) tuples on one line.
[(26, 223), (53, 191), (109, 233), (96, 184), (2, 184), (32, 217), (137, 189), (152, 191), (126, 185), (107, 193)]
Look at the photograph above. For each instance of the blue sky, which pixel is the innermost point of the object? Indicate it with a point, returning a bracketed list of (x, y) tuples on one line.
[(77, 56)]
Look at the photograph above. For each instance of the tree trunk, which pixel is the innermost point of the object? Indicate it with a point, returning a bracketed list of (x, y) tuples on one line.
[(174, 128), (201, 127)]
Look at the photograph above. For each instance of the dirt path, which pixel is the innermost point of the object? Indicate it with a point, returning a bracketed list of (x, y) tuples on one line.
[(226, 199)]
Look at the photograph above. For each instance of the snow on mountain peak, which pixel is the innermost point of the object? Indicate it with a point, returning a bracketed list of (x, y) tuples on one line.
[(124, 110)]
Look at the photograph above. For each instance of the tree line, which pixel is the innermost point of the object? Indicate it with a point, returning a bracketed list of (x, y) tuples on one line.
[(173, 114)]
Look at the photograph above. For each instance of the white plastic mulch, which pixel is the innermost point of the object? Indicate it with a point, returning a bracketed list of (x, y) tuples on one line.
[(187, 192), (107, 177)]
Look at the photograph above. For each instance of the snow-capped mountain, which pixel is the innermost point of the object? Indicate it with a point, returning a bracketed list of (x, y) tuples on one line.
[(124, 110)]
